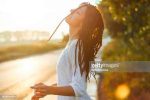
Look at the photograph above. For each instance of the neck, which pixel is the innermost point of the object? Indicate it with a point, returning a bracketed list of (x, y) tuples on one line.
[(73, 33)]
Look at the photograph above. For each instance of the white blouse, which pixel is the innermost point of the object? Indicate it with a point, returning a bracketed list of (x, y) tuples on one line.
[(65, 70)]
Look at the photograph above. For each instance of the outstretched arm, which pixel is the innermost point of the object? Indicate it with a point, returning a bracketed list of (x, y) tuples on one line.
[(42, 90)]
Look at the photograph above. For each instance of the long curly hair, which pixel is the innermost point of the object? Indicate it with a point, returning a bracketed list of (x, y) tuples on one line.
[(90, 38)]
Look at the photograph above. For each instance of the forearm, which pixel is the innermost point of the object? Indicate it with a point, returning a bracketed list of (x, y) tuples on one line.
[(55, 84), (61, 90)]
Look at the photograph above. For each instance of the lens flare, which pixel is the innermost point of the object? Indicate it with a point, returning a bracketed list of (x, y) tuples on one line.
[(122, 91)]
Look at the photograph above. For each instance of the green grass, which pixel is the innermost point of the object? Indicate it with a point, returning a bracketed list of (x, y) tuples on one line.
[(19, 50)]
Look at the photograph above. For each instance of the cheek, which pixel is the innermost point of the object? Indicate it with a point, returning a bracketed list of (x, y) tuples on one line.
[(73, 20)]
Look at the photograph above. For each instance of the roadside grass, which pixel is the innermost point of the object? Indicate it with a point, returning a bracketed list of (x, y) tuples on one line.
[(20, 50)]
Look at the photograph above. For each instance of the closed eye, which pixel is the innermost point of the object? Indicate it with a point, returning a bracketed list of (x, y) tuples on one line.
[(78, 13)]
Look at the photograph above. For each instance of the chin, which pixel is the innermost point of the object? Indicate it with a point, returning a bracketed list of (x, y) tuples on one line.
[(67, 20)]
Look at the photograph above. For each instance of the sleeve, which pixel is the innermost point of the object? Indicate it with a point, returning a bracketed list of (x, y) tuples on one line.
[(78, 82)]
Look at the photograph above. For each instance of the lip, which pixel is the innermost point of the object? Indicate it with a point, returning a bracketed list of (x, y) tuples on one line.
[(70, 16)]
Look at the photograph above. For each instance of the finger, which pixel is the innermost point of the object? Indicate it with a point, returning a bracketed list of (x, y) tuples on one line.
[(34, 98), (40, 95), (32, 87), (40, 90), (37, 85), (40, 85)]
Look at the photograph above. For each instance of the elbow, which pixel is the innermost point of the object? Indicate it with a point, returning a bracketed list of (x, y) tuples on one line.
[(78, 90)]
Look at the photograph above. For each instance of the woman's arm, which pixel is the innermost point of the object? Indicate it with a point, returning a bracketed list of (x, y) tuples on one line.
[(42, 90), (61, 90)]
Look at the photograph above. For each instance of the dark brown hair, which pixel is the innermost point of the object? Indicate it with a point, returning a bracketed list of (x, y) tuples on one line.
[(90, 38)]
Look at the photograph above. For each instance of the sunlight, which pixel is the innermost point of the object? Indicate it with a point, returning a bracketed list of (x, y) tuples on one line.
[(27, 67), (40, 15)]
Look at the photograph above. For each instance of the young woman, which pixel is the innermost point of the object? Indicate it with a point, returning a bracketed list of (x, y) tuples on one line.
[(85, 39)]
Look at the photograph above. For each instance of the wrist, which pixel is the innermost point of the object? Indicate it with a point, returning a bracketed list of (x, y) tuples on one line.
[(49, 90)]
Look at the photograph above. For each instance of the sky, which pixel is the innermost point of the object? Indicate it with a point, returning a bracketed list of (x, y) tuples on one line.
[(42, 15)]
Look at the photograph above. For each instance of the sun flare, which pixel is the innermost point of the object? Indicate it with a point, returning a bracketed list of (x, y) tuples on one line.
[(27, 67), (40, 15)]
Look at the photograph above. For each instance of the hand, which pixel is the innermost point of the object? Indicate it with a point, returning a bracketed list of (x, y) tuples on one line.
[(34, 98), (41, 91)]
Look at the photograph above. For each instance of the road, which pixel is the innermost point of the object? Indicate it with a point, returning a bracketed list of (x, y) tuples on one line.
[(17, 76)]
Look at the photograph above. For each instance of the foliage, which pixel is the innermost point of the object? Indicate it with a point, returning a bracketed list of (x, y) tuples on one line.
[(128, 24)]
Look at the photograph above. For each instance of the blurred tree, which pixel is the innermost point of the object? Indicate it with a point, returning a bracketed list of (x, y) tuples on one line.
[(129, 21), (128, 24), (130, 17)]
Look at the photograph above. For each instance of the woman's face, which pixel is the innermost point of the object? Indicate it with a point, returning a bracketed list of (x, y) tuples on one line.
[(76, 18)]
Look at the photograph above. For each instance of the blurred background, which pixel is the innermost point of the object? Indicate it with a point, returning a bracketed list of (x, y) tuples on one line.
[(27, 58)]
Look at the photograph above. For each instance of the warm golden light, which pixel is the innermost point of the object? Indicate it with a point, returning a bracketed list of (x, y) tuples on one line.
[(27, 67), (39, 15), (122, 91)]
